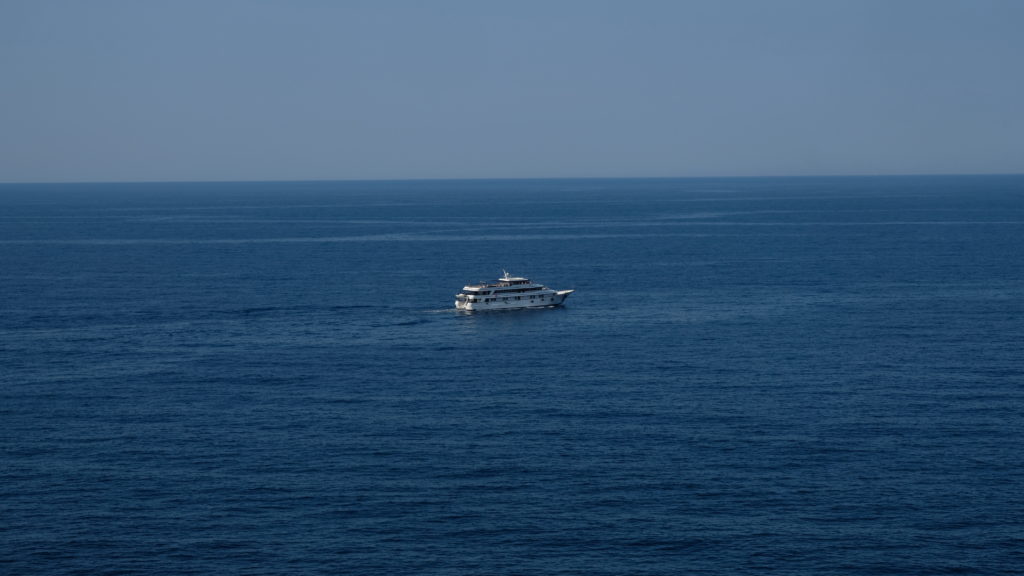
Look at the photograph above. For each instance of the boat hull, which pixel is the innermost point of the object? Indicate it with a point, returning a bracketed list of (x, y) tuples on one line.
[(509, 303)]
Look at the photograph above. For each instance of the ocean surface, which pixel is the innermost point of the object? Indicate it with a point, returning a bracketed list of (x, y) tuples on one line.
[(808, 376)]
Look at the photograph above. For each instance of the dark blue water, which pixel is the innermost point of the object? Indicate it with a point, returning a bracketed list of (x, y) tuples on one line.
[(794, 376)]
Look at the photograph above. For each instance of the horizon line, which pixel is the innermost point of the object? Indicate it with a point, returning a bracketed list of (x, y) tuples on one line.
[(509, 178)]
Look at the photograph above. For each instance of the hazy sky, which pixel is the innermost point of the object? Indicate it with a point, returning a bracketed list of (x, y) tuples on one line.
[(344, 89)]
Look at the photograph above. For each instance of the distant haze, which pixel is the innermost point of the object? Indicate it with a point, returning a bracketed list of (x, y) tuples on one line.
[(245, 90)]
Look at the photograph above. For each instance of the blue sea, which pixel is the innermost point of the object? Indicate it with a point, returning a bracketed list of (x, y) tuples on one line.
[(795, 376)]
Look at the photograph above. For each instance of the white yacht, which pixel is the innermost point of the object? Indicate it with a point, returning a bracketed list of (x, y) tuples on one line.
[(507, 293)]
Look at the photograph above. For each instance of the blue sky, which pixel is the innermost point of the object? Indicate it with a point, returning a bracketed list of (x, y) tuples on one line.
[(252, 90)]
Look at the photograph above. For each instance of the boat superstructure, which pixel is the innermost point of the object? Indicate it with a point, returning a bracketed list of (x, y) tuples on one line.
[(509, 292)]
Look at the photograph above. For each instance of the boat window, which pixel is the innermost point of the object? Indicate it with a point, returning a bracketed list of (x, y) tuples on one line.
[(517, 290)]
